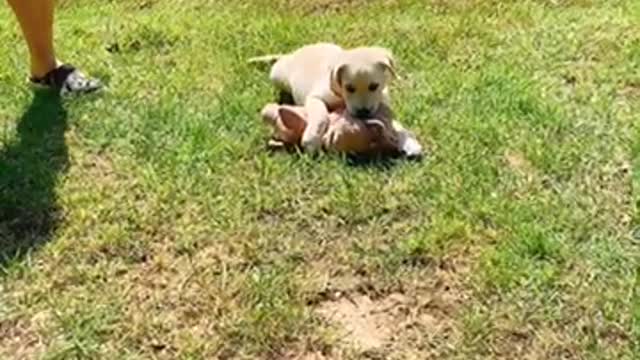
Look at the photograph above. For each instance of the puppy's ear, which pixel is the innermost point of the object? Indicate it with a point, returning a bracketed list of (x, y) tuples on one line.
[(292, 119), (336, 78), (385, 59)]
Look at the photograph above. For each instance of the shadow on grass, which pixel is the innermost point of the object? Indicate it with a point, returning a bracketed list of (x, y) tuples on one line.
[(379, 162), (29, 170)]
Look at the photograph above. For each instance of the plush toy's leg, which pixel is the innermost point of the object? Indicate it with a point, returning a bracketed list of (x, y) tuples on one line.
[(274, 144), (408, 144)]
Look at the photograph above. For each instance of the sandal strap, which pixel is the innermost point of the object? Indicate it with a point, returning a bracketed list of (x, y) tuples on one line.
[(67, 79), (55, 78)]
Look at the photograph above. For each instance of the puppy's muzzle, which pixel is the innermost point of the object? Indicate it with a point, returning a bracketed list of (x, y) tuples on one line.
[(363, 113)]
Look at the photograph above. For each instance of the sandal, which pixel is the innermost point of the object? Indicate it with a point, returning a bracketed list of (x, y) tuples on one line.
[(68, 80)]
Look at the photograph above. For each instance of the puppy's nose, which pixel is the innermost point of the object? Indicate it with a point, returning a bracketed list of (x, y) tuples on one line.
[(363, 113)]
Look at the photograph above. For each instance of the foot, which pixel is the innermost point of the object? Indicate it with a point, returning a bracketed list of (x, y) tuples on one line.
[(67, 80)]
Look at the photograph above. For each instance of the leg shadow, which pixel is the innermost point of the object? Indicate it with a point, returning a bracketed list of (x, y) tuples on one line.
[(29, 170)]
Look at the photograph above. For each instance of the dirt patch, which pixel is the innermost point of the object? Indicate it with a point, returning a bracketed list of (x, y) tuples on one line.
[(395, 324), (316, 355), (319, 7), (368, 324), (526, 176), (19, 341), (419, 319), (630, 89), (517, 162)]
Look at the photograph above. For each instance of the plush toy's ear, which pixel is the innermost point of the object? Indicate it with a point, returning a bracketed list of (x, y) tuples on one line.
[(336, 78), (376, 125), (292, 119), (382, 130)]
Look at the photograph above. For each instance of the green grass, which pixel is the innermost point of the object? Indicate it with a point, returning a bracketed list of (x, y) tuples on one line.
[(150, 222)]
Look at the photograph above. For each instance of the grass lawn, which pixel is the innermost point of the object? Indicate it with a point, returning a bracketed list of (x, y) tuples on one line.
[(150, 221)]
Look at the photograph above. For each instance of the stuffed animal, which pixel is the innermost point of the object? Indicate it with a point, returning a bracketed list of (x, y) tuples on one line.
[(344, 133)]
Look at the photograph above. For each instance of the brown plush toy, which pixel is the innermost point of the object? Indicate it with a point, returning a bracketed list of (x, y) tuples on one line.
[(344, 133)]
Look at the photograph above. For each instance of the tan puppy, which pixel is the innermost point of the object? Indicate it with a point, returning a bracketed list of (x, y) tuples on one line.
[(345, 134), (322, 77)]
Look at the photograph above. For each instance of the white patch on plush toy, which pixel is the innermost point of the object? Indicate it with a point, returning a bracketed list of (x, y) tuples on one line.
[(409, 145)]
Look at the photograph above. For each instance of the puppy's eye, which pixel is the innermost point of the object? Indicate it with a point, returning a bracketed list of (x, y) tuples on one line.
[(373, 87), (350, 88)]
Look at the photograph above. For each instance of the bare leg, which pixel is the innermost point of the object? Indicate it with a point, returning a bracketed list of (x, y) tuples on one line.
[(36, 20)]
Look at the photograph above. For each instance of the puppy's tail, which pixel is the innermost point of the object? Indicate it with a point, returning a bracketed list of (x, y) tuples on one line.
[(265, 59)]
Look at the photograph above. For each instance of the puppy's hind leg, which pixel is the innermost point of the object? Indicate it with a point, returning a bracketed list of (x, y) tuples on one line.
[(279, 74)]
